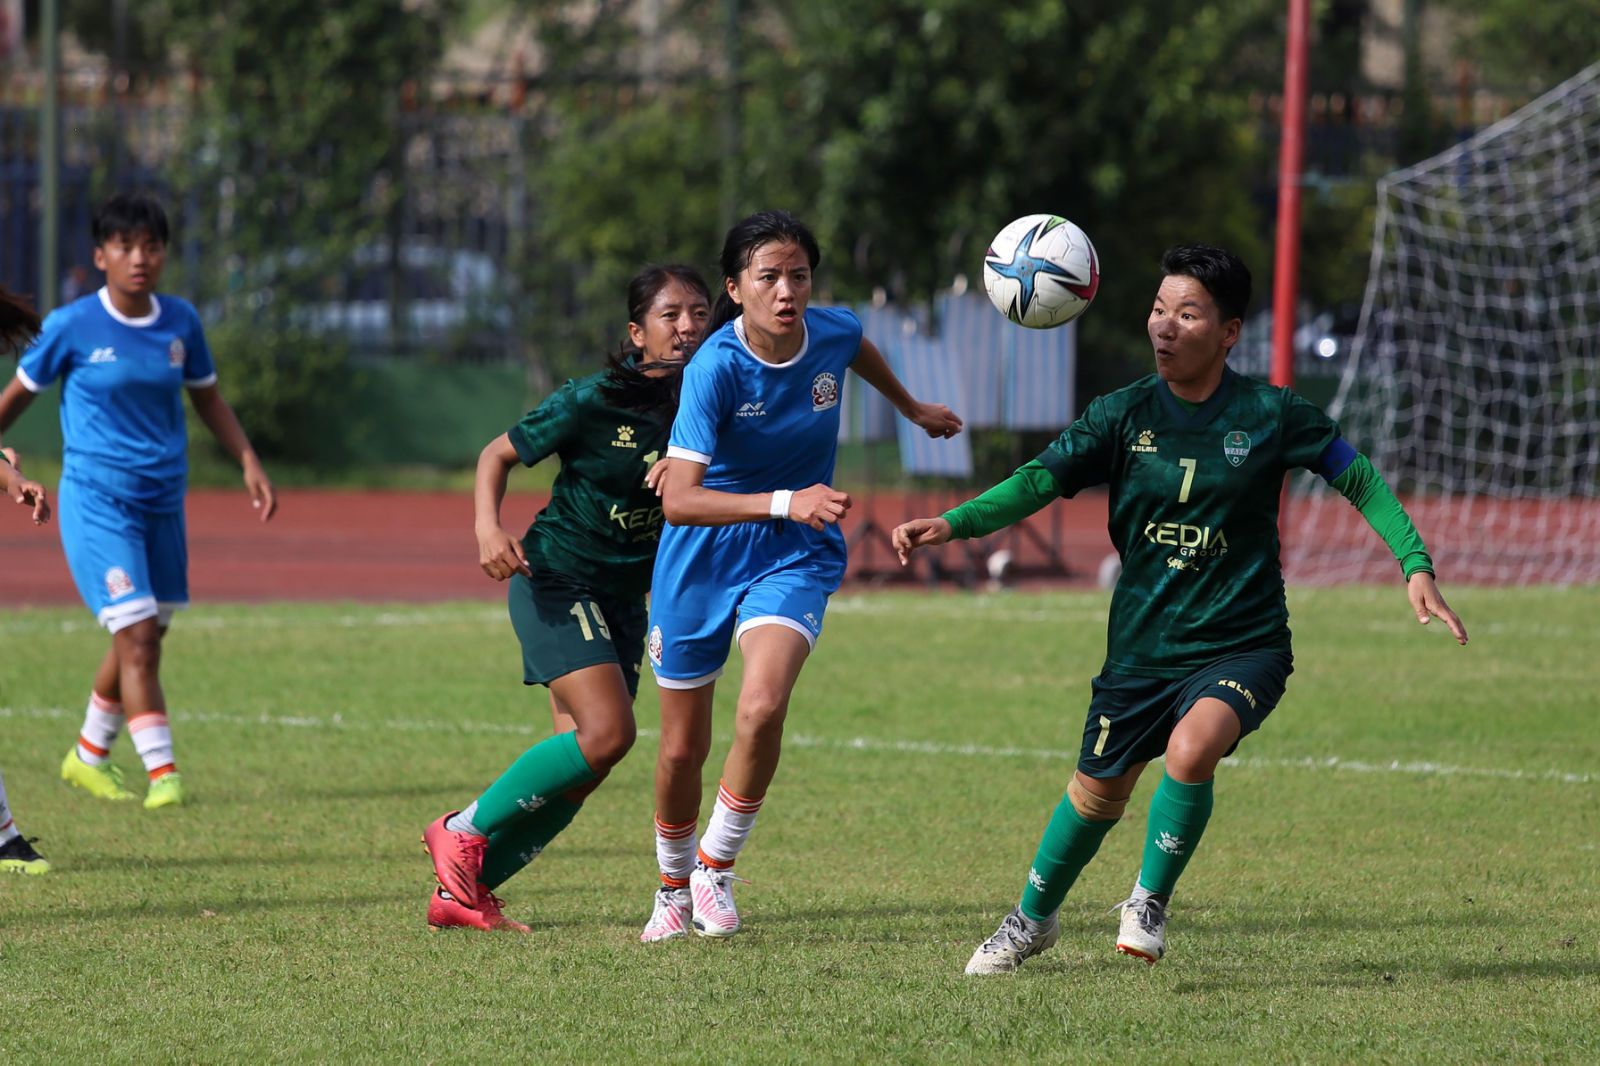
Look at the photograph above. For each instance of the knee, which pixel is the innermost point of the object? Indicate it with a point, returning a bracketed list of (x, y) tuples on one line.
[(761, 712), (682, 756), (1192, 759), (606, 746), (139, 649)]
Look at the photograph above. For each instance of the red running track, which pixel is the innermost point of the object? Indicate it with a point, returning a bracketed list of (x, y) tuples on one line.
[(419, 547)]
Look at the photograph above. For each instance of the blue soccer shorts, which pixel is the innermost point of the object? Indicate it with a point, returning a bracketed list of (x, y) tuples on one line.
[(129, 564), (710, 595)]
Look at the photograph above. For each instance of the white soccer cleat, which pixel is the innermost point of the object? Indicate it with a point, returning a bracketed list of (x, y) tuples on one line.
[(1143, 933), (1013, 944), (670, 918), (712, 890)]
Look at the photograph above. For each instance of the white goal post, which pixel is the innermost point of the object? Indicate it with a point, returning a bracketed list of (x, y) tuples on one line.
[(1474, 380)]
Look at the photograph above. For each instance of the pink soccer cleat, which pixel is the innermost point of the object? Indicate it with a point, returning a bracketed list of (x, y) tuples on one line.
[(457, 859)]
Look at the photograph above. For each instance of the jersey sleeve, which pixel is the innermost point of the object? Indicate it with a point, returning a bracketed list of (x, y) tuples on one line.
[(1307, 433), (543, 430), (43, 364), (1081, 456), (199, 371), (702, 406)]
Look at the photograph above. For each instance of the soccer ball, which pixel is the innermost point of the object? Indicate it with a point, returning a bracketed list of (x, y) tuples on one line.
[(1041, 271)]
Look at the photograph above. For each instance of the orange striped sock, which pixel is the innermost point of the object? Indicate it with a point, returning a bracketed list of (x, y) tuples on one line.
[(731, 821), (102, 722), (152, 738), (675, 848)]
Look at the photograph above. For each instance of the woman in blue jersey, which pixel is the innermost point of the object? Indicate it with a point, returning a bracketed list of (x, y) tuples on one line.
[(752, 549), (125, 356), (18, 324)]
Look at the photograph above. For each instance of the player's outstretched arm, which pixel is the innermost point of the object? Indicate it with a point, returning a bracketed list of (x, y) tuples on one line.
[(499, 553), (936, 419), (685, 501), (918, 533), (1428, 603), (224, 425)]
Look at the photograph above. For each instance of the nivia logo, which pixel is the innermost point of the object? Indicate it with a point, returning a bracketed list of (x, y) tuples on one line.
[(752, 410), (1170, 844), (532, 804), (103, 355)]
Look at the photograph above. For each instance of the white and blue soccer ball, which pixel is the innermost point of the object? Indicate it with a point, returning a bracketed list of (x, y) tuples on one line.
[(1041, 271)]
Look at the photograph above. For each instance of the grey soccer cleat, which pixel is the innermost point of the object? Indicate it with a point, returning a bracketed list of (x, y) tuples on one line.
[(1015, 942), (1143, 933)]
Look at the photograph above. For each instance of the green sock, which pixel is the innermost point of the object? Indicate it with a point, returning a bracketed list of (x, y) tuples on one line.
[(521, 842), (1070, 841), (1178, 816), (544, 772)]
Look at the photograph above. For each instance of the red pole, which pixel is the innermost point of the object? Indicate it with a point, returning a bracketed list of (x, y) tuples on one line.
[(1291, 155), (1286, 269)]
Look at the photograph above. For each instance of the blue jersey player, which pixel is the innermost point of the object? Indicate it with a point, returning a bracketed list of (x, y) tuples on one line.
[(752, 549), (124, 357)]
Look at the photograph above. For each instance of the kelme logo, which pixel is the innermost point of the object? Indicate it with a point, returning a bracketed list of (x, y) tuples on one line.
[(1236, 445)]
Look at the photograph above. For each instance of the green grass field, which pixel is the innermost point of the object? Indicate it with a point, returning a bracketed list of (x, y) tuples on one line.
[(1401, 867)]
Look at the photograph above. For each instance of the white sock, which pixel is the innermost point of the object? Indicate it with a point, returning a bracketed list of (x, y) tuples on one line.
[(675, 848), (461, 822), (731, 821), (8, 825), (152, 739), (102, 722)]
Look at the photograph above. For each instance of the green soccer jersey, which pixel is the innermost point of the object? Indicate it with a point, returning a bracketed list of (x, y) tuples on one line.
[(603, 522), (1193, 514)]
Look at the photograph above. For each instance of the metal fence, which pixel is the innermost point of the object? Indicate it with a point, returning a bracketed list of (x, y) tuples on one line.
[(441, 280)]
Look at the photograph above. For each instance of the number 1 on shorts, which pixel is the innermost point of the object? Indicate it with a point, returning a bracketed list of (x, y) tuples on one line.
[(1105, 735)]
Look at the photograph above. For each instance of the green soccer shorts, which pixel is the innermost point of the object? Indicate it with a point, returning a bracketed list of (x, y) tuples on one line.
[(1131, 718), (565, 625)]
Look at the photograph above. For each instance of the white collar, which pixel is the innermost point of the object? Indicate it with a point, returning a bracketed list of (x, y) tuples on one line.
[(136, 323), (744, 341)]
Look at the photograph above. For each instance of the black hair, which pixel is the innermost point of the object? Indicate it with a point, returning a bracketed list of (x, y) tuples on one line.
[(19, 322), (743, 239), (125, 214), (653, 389), (1222, 273)]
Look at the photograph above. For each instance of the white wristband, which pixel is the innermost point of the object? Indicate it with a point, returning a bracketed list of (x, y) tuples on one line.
[(780, 503)]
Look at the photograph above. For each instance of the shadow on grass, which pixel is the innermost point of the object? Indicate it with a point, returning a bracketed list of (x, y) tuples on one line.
[(215, 909)]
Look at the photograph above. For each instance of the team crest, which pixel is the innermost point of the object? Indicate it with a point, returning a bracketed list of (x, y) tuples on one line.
[(175, 353), (118, 583), (824, 391), (653, 646), (1236, 445)]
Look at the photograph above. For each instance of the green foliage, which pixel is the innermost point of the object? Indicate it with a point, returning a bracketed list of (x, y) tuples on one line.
[(295, 142), (1530, 48), (1399, 868)]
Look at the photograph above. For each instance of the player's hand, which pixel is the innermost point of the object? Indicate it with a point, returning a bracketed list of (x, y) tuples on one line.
[(936, 419), (818, 506), (11, 457), (500, 554), (262, 495), (918, 533), (1428, 603), (31, 494), (657, 471)]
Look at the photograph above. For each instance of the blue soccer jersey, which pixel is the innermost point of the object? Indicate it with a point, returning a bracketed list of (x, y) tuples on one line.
[(757, 427), (122, 382)]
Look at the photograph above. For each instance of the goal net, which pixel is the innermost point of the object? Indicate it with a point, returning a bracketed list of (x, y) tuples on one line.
[(1474, 380)]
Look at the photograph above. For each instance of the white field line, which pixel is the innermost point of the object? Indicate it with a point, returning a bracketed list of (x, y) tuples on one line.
[(859, 744)]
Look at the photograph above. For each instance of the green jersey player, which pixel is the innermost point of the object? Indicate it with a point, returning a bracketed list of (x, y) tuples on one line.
[(578, 583), (18, 325), (1197, 650)]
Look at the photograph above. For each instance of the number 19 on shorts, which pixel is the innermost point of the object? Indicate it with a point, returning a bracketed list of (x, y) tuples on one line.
[(582, 616)]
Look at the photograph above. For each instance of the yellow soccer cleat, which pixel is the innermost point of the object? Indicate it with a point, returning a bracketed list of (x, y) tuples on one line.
[(102, 782), (165, 791)]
